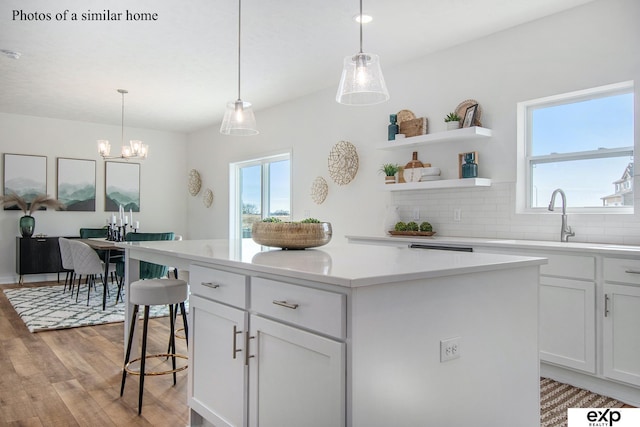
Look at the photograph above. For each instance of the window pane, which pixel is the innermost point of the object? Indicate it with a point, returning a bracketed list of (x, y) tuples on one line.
[(587, 183), (250, 197), (280, 190), (582, 126)]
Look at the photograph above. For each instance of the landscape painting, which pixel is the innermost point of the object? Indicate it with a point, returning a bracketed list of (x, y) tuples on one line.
[(122, 186), (24, 175), (77, 184)]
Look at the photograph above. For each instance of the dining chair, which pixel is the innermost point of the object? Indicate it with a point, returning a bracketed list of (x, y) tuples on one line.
[(67, 263), (86, 262), (95, 233)]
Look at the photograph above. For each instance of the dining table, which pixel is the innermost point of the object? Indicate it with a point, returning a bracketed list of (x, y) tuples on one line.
[(110, 249)]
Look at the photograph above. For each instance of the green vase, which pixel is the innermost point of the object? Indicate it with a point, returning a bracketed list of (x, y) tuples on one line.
[(27, 224)]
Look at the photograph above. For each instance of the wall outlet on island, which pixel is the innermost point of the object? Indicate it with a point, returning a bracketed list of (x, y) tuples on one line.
[(416, 214), (449, 349), (307, 213), (457, 214)]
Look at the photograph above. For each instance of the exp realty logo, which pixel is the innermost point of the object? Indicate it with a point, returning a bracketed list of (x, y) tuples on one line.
[(603, 417)]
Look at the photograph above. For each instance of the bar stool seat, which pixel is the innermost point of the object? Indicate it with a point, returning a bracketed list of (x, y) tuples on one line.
[(146, 293)]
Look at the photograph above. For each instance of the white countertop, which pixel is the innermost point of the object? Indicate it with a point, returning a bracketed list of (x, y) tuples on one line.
[(337, 263), (599, 248)]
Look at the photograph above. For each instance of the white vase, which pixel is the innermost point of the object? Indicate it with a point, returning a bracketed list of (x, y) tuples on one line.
[(391, 217), (453, 125)]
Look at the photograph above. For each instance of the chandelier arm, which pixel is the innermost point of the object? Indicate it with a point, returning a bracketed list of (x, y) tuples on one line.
[(122, 121), (360, 26)]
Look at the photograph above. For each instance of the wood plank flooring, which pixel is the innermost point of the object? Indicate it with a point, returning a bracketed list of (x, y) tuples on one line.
[(71, 377)]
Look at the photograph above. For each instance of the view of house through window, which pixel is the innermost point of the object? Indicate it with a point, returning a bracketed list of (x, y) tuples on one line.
[(583, 143), (263, 189)]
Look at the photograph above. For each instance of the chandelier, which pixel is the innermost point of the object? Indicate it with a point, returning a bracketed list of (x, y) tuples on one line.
[(135, 150)]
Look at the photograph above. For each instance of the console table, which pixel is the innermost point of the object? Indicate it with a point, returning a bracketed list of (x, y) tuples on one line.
[(37, 255)]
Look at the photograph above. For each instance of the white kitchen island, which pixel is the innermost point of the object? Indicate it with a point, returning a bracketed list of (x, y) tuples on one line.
[(350, 335)]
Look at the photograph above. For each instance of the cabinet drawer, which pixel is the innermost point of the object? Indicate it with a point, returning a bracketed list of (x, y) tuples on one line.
[(218, 285), (574, 266), (314, 309), (622, 270)]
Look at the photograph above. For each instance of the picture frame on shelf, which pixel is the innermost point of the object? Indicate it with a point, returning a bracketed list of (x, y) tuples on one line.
[(470, 116), (461, 161)]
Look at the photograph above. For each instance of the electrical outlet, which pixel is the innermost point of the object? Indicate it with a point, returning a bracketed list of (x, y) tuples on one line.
[(307, 213), (457, 214), (416, 214), (449, 349)]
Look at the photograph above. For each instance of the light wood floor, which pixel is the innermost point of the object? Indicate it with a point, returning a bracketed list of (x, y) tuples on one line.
[(72, 377)]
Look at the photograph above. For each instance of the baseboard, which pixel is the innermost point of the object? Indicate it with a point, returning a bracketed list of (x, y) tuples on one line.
[(11, 279), (622, 392)]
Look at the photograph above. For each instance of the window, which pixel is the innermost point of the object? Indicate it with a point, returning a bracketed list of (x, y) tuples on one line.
[(260, 188), (582, 142)]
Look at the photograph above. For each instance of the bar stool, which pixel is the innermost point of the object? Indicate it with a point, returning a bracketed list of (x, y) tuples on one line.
[(147, 293)]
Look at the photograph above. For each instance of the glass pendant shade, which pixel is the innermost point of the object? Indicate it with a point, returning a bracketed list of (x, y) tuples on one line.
[(239, 119), (362, 82), (104, 148)]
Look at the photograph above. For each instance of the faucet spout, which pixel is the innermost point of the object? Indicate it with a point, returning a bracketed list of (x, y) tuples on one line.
[(565, 229)]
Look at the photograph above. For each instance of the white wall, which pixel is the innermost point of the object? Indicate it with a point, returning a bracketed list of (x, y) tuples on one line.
[(163, 180), (589, 46)]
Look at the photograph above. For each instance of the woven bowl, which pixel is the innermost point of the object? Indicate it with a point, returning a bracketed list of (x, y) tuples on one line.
[(291, 235)]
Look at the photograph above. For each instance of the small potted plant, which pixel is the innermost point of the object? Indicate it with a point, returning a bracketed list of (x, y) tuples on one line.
[(453, 121), (389, 170)]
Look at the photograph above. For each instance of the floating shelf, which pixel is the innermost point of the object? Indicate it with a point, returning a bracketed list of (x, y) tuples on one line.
[(444, 183), (462, 134)]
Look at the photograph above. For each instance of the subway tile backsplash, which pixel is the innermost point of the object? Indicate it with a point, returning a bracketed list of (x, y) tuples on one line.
[(489, 212)]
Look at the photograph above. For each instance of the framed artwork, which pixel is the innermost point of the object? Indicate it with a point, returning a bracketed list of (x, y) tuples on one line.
[(122, 186), (25, 175), (469, 116), (461, 161), (77, 184)]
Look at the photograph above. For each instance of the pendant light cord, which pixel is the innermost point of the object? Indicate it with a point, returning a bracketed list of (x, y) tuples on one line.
[(122, 121), (360, 26), (239, 25)]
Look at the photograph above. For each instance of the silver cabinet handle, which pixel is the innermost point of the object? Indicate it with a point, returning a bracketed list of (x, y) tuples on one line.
[(286, 304), (606, 305), (210, 285), (235, 340), (247, 338), (632, 271)]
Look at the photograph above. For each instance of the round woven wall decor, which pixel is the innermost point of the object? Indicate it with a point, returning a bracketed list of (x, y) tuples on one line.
[(343, 162), (194, 182), (319, 190), (207, 197)]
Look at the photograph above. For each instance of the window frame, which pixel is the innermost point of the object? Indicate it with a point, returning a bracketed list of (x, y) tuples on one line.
[(524, 189), (235, 210)]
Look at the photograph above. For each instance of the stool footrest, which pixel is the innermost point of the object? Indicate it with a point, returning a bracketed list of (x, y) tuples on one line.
[(152, 373)]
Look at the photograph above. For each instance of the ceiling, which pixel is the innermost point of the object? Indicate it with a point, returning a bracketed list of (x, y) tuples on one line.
[(181, 69)]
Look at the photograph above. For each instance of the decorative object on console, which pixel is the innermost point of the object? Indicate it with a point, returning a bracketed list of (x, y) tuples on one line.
[(25, 176), (389, 170), (319, 190), (343, 162), (452, 120), (135, 150), (195, 182), (308, 233), (28, 222), (469, 116), (461, 111), (362, 82), (239, 119), (207, 197), (393, 128), (77, 184), (468, 165), (122, 186)]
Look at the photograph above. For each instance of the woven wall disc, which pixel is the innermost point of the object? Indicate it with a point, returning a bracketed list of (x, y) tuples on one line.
[(207, 197), (343, 162), (194, 182), (319, 190)]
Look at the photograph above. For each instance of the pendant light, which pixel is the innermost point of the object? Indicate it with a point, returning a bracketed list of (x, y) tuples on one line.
[(238, 118), (362, 82), (135, 150)]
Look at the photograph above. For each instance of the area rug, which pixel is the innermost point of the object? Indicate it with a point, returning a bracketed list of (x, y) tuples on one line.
[(48, 307), (556, 398)]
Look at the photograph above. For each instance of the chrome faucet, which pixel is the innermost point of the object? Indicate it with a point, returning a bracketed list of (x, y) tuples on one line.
[(565, 230)]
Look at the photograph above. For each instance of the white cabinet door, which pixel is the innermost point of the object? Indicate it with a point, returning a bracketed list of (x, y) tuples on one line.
[(622, 333), (217, 391), (567, 323), (296, 378)]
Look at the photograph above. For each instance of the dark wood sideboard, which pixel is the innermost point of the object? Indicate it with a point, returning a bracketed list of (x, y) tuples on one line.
[(37, 255)]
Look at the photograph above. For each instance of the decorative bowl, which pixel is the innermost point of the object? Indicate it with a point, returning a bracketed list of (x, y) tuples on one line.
[(291, 235)]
